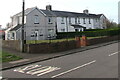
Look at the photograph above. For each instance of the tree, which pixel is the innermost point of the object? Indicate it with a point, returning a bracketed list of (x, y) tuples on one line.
[(118, 25), (110, 24)]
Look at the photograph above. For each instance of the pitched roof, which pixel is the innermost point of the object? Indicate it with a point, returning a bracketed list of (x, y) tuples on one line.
[(16, 27), (28, 10), (69, 14), (61, 13)]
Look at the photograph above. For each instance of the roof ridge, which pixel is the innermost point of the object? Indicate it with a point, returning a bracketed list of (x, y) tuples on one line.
[(25, 11)]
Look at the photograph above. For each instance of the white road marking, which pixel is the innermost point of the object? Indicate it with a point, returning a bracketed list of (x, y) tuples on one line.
[(23, 69), (32, 71), (36, 70), (40, 71), (52, 69), (73, 69), (113, 53)]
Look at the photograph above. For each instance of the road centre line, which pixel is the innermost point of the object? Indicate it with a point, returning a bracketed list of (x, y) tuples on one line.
[(113, 53), (73, 69)]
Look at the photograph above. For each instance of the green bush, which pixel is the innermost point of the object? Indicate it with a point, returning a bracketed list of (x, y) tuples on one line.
[(104, 32)]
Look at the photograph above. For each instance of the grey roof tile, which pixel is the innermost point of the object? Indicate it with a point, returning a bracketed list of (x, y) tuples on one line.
[(69, 14), (61, 13), (16, 27)]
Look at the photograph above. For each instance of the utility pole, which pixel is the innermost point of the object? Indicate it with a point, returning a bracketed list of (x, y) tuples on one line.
[(22, 32), (67, 28)]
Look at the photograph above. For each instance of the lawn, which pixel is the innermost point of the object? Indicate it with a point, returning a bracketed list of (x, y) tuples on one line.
[(7, 57), (57, 40)]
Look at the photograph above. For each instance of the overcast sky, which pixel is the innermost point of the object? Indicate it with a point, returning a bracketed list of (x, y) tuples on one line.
[(107, 7)]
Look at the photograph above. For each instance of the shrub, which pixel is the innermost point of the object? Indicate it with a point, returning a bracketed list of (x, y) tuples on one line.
[(95, 33)]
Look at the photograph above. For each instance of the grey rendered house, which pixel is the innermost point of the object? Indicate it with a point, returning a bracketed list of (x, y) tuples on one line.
[(38, 26), (42, 24)]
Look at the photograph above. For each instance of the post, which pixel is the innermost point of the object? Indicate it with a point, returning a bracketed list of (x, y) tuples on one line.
[(84, 41), (22, 32), (66, 28)]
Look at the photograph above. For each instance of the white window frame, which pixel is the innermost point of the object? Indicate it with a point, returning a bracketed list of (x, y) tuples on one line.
[(49, 20), (36, 19), (79, 21), (84, 21), (62, 20), (89, 20)]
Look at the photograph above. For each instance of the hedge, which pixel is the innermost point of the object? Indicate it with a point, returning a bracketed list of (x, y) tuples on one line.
[(105, 32)]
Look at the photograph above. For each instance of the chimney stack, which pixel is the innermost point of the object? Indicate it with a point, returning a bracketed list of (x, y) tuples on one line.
[(86, 11), (49, 7)]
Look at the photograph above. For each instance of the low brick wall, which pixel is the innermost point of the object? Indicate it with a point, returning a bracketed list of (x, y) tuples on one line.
[(55, 47), (102, 40), (50, 47), (12, 44)]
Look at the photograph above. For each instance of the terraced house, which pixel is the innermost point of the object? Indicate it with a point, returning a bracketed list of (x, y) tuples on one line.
[(42, 24)]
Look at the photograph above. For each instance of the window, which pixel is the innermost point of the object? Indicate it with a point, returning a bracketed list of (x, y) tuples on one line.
[(84, 21), (79, 20), (69, 20), (62, 20), (89, 21), (50, 30), (96, 20), (75, 20), (36, 19), (13, 35), (50, 20), (62, 30)]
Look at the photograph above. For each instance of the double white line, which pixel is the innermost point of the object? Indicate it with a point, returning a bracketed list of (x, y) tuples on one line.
[(74, 69)]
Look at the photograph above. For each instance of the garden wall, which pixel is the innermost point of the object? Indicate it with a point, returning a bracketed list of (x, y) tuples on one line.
[(102, 40), (50, 47), (12, 44), (56, 47)]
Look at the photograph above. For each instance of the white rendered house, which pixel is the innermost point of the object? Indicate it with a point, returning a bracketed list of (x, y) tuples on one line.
[(40, 24)]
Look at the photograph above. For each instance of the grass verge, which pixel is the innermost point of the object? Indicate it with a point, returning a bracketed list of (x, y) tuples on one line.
[(7, 57)]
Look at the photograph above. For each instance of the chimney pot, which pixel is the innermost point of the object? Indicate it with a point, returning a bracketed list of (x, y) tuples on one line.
[(49, 7), (86, 11)]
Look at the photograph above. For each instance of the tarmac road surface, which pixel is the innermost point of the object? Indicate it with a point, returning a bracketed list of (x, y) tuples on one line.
[(101, 62)]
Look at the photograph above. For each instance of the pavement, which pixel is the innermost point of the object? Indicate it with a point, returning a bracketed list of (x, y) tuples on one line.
[(29, 58)]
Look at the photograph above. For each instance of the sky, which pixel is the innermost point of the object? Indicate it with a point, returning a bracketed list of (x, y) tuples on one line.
[(107, 7)]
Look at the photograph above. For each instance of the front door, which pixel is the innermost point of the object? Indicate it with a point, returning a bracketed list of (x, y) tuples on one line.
[(36, 35)]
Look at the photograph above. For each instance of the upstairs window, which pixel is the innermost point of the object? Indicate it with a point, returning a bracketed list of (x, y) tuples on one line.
[(84, 21), (79, 20), (89, 21), (69, 20), (62, 20), (49, 20), (75, 20), (36, 19), (96, 20)]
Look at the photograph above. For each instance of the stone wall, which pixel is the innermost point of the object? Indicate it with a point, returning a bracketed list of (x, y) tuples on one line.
[(50, 47), (58, 46), (102, 40), (12, 44)]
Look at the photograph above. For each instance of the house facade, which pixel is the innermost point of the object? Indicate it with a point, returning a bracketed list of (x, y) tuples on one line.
[(43, 24)]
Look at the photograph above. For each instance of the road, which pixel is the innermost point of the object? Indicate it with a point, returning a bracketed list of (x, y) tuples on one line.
[(100, 62)]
